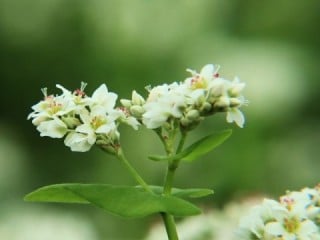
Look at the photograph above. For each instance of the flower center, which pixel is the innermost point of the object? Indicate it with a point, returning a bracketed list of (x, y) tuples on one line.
[(53, 106), (97, 121), (291, 225), (198, 83)]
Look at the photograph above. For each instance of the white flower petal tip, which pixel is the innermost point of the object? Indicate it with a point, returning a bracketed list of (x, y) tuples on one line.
[(235, 115)]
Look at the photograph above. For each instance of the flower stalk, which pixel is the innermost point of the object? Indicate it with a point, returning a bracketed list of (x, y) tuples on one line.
[(120, 155), (171, 169)]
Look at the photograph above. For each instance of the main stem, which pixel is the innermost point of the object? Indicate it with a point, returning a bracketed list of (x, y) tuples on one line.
[(120, 155), (172, 166)]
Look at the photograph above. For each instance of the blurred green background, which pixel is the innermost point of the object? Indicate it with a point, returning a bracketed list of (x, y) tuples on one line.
[(272, 45)]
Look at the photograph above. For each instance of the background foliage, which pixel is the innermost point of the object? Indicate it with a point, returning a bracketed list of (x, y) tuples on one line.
[(273, 46)]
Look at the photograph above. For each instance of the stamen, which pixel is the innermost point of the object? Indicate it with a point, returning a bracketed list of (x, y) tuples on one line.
[(83, 86), (44, 92)]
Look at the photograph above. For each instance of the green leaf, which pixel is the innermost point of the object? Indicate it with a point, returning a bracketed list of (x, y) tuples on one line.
[(206, 145), (124, 201), (184, 193), (198, 148)]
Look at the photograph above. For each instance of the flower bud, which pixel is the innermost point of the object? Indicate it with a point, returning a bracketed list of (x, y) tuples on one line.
[(223, 102), (184, 121), (126, 103), (193, 115), (235, 102), (137, 99), (206, 107), (71, 122), (136, 110)]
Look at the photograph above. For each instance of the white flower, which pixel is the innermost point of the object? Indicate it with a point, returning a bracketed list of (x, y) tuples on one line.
[(163, 102), (102, 100), (54, 128), (50, 107), (292, 228), (95, 123), (224, 95), (77, 99), (203, 79), (83, 119), (236, 87), (235, 115), (288, 219), (78, 142)]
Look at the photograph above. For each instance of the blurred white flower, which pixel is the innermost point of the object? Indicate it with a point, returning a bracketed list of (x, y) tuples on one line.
[(287, 219), (235, 115), (44, 224)]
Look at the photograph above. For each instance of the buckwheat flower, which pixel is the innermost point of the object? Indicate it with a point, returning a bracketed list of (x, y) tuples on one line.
[(54, 128), (313, 208), (102, 99), (203, 79), (253, 226), (235, 115), (164, 102), (216, 94), (292, 228), (78, 142), (94, 123), (51, 106), (236, 87), (78, 99), (287, 219)]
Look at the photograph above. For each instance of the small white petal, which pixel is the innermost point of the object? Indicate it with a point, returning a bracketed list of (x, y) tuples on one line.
[(54, 128), (207, 72), (77, 142), (235, 115)]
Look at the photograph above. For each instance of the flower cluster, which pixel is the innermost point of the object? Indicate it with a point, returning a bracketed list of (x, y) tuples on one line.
[(84, 120), (295, 216), (189, 101)]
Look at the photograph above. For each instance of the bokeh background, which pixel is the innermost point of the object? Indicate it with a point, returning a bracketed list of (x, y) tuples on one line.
[(272, 45)]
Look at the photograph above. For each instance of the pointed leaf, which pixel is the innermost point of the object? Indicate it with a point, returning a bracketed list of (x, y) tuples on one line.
[(198, 148), (124, 201), (206, 145)]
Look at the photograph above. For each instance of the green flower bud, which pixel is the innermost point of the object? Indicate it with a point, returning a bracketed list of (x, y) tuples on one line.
[(193, 115), (184, 121), (126, 103), (137, 99), (71, 122), (235, 102), (223, 102), (136, 110), (206, 107)]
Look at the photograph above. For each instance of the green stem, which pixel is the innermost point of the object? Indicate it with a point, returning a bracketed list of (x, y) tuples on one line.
[(120, 155), (182, 141), (170, 226), (172, 166)]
